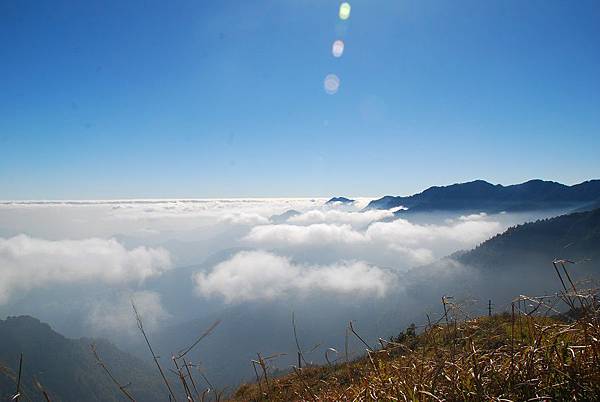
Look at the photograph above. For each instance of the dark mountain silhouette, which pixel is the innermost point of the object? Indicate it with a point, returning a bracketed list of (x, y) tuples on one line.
[(341, 200), (516, 262), (66, 368), (483, 196), (575, 237)]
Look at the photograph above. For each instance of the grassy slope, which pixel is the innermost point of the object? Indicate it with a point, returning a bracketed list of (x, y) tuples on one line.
[(470, 361)]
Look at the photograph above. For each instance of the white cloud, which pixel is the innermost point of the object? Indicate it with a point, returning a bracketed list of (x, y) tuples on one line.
[(415, 243), (405, 233), (244, 218), (474, 217), (412, 256), (116, 314), (292, 235), (337, 216), (259, 275), (396, 209), (217, 210), (398, 232), (27, 263)]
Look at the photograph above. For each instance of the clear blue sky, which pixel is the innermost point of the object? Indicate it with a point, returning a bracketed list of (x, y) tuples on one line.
[(110, 99)]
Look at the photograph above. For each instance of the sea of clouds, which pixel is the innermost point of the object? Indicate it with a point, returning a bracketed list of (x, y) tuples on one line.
[(245, 250)]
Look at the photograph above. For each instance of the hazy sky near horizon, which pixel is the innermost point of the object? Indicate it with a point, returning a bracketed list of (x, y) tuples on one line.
[(226, 98)]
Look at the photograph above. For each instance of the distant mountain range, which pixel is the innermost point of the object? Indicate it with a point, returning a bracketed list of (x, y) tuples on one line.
[(66, 368), (483, 196)]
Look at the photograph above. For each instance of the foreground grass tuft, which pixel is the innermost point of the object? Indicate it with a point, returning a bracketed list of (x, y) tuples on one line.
[(516, 357)]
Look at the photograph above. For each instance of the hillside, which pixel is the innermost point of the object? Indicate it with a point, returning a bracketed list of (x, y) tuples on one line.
[(517, 261), (575, 237), (506, 357), (66, 368), (483, 196)]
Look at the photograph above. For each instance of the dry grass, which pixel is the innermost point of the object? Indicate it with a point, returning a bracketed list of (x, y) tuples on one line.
[(524, 355)]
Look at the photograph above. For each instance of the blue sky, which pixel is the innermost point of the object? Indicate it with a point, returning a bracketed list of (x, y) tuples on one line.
[(113, 99)]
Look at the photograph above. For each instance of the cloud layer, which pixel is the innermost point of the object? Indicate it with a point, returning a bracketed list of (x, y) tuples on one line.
[(260, 275), (340, 217), (419, 243), (305, 248), (27, 263)]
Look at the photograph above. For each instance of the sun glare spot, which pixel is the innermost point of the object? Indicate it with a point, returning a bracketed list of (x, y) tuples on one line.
[(345, 11), (331, 84), (338, 48)]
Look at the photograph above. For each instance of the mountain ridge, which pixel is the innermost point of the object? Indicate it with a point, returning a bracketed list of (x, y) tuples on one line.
[(484, 196), (66, 368), (574, 236)]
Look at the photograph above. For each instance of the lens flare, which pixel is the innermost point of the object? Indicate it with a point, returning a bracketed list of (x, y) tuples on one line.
[(331, 84), (338, 48), (345, 11)]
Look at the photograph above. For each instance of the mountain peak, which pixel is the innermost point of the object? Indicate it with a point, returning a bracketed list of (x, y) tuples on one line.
[(341, 200)]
